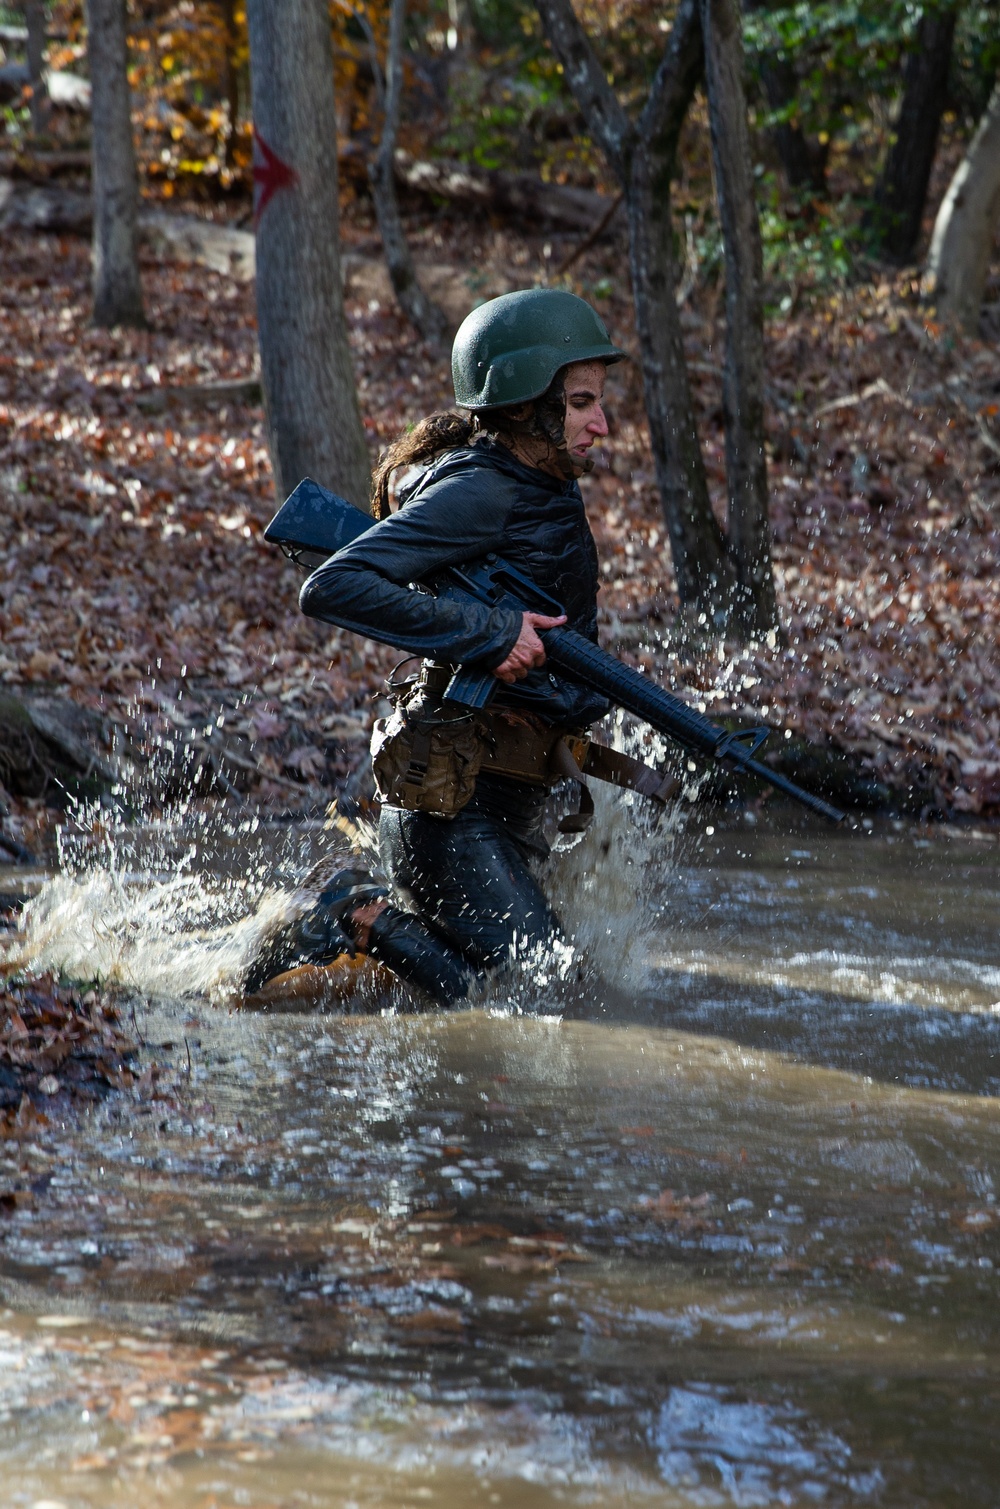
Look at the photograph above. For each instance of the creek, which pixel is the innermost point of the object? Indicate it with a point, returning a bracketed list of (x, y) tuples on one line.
[(712, 1223)]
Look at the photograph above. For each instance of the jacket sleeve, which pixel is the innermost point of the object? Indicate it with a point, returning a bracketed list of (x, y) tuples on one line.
[(364, 587)]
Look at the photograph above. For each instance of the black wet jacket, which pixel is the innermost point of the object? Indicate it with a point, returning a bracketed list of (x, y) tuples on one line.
[(475, 500)]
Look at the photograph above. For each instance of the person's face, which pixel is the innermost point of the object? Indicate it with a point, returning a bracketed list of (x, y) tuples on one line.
[(585, 421)]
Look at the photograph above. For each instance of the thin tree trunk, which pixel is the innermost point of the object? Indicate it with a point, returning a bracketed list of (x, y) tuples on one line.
[(804, 165), (314, 423), (115, 184), (901, 192), (705, 578), (803, 161), (420, 310), (749, 535), (230, 75), (34, 15), (643, 158), (966, 227)]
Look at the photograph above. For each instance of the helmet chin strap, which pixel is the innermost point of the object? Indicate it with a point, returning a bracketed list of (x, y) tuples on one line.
[(529, 437), (548, 423), (545, 422)]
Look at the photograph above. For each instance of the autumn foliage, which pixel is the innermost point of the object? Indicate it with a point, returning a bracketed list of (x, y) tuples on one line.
[(56, 1045), (134, 578)]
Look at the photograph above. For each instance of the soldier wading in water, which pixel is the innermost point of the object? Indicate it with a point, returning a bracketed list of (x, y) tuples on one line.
[(462, 793)]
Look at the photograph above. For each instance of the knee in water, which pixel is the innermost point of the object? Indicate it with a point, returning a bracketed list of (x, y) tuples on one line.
[(408, 947)]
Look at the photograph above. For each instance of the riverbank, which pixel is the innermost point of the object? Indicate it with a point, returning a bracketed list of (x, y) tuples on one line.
[(137, 586), (60, 1048)]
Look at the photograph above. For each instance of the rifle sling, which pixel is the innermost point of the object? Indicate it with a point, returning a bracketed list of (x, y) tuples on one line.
[(563, 764), (606, 765), (632, 775)]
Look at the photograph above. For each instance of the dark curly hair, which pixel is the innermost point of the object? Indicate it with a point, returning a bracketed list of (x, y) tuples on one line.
[(449, 431)]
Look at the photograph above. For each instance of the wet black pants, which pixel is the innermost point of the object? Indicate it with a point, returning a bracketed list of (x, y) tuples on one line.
[(467, 896)]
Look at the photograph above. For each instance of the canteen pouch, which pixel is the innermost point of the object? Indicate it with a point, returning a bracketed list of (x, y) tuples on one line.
[(424, 758)]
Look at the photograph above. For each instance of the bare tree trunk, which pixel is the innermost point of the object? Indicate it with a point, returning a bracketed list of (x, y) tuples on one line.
[(643, 157), (901, 192), (966, 227), (698, 550), (803, 161), (420, 310), (727, 580), (310, 398), (705, 578), (34, 15), (115, 184), (743, 377)]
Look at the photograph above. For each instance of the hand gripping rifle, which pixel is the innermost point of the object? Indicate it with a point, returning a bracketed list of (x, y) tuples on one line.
[(314, 524)]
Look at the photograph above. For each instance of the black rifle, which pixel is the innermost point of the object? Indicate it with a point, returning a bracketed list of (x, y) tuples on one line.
[(314, 524)]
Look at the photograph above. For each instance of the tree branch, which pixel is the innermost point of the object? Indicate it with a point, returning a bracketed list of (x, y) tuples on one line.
[(393, 76), (421, 310), (356, 13), (680, 71), (606, 119)]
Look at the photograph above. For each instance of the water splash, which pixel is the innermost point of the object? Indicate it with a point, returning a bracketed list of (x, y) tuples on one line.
[(145, 934), (611, 886), (179, 906), (173, 907)]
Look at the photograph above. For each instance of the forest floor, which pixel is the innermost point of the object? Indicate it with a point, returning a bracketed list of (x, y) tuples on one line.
[(134, 580)]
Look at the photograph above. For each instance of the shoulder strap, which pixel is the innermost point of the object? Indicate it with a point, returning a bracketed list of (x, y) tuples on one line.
[(633, 775)]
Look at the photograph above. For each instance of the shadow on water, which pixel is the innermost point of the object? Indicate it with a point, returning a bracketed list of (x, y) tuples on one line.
[(921, 1046)]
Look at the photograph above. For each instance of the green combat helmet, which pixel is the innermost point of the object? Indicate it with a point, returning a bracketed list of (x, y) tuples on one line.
[(509, 350)]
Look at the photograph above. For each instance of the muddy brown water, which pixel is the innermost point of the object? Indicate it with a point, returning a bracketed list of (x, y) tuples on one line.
[(722, 1234)]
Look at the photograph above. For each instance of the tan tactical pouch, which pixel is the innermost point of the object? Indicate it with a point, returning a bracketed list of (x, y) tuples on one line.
[(426, 755), (425, 759)]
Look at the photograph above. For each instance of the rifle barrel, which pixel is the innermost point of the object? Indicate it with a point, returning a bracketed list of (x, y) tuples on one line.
[(586, 662)]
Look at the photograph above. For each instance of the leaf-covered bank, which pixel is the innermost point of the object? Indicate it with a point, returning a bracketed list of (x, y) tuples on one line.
[(134, 579)]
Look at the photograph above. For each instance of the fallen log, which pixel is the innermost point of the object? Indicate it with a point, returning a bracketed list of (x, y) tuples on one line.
[(524, 197), (68, 90), (35, 165), (231, 251), (200, 395), (51, 748), (56, 210), (518, 196), (186, 238)]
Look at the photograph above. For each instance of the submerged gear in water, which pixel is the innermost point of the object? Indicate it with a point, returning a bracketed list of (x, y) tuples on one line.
[(509, 350)]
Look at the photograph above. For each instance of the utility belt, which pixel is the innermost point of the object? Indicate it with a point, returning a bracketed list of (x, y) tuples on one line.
[(427, 754)]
